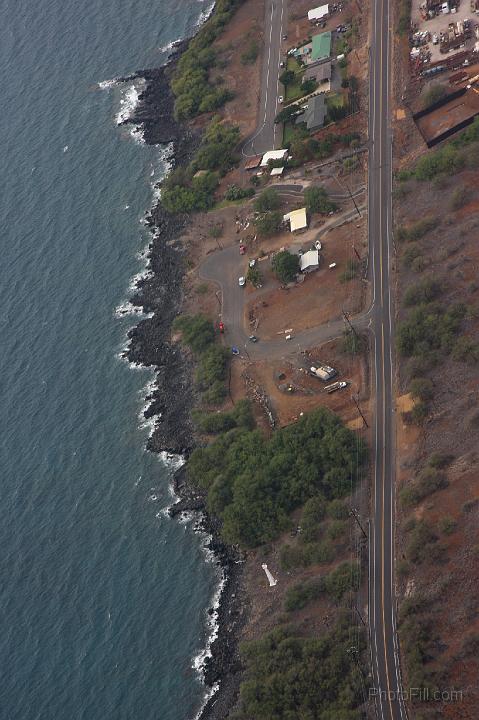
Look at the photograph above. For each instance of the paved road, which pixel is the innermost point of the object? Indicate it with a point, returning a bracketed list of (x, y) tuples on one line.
[(382, 615), (268, 134)]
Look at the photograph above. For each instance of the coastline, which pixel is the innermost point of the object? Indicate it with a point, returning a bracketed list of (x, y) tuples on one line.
[(160, 294)]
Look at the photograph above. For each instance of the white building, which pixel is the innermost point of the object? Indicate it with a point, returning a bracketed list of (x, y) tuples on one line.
[(309, 261), (318, 13), (297, 219), (273, 155)]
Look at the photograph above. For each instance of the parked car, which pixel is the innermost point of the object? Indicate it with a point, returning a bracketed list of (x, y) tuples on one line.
[(280, 99), (282, 64), (241, 281), (252, 262), (318, 245), (242, 249), (285, 37), (253, 338)]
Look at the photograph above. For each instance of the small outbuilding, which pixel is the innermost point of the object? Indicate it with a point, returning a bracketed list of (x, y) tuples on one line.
[(275, 172), (309, 262), (253, 162), (297, 219)]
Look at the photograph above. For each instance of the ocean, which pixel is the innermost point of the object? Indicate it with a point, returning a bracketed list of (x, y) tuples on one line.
[(104, 598)]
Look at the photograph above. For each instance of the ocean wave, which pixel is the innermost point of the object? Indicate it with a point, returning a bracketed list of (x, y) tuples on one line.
[(107, 84), (127, 308), (170, 46), (129, 101), (212, 624)]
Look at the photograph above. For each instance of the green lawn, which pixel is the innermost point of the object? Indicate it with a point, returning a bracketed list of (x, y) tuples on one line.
[(335, 100), (293, 91), (288, 133)]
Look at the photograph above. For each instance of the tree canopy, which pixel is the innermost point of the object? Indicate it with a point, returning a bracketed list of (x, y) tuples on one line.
[(267, 200), (289, 677), (268, 223), (317, 201), (285, 266), (254, 483)]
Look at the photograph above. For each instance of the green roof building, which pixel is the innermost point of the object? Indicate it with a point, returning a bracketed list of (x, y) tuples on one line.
[(321, 46)]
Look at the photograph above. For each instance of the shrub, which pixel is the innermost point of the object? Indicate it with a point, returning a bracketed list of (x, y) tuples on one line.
[(410, 254), (234, 192), (214, 423), (345, 577), (197, 331), (440, 460), (423, 291), (458, 198), (254, 276), (422, 388), (351, 272), (212, 366), (249, 56), (336, 529), (420, 543), (285, 266), (353, 343), (267, 200), (338, 510), (216, 231), (289, 676), (217, 149), (313, 514), (429, 328), (302, 594), (447, 525), (466, 350)]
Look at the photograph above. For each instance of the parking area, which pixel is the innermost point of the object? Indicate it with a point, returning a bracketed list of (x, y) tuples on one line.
[(443, 29)]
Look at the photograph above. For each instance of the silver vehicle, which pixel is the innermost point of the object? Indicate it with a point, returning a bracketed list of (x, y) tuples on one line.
[(241, 281)]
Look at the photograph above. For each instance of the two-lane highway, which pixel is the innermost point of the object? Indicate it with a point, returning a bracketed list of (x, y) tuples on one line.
[(267, 133), (382, 611)]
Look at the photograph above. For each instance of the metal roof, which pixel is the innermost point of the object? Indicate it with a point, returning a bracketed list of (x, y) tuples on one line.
[(310, 259), (297, 219), (321, 46)]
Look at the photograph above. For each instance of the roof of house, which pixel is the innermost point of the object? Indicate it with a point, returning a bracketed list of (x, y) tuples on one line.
[(277, 171), (297, 219), (273, 155), (321, 46), (252, 162), (319, 72), (309, 259), (314, 113), (318, 13)]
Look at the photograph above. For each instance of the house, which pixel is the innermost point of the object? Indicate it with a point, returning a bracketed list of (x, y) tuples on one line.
[(320, 72), (253, 162), (297, 219), (273, 155), (320, 47), (309, 262), (314, 113), (319, 13)]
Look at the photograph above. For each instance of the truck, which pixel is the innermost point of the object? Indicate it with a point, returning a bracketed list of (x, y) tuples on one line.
[(323, 372), (335, 386)]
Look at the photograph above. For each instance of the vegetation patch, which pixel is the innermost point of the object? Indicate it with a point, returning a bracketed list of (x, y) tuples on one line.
[(254, 483), (288, 676)]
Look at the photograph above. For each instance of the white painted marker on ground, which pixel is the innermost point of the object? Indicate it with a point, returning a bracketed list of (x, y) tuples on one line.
[(272, 581)]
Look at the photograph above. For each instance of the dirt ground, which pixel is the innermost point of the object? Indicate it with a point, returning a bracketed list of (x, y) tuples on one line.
[(322, 296), (451, 253)]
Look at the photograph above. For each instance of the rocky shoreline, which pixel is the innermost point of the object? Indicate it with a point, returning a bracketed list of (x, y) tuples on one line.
[(173, 397)]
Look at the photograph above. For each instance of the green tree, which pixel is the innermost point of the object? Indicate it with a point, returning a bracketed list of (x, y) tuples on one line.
[(317, 201), (268, 223), (267, 200), (287, 77), (285, 266)]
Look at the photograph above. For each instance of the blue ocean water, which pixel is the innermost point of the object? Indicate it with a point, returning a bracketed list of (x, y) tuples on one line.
[(103, 598)]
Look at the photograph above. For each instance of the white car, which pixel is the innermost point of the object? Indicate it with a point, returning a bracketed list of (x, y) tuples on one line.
[(280, 99), (252, 262), (318, 245), (241, 281)]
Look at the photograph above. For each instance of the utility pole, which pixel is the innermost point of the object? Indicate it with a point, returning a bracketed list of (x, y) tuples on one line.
[(348, 321), (359, 410), (217, 294), (356, 253), (359, 615), (354, 513)]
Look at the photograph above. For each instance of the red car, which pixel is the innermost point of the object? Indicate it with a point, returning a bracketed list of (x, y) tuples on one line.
[(221, 327), (242, 249)]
